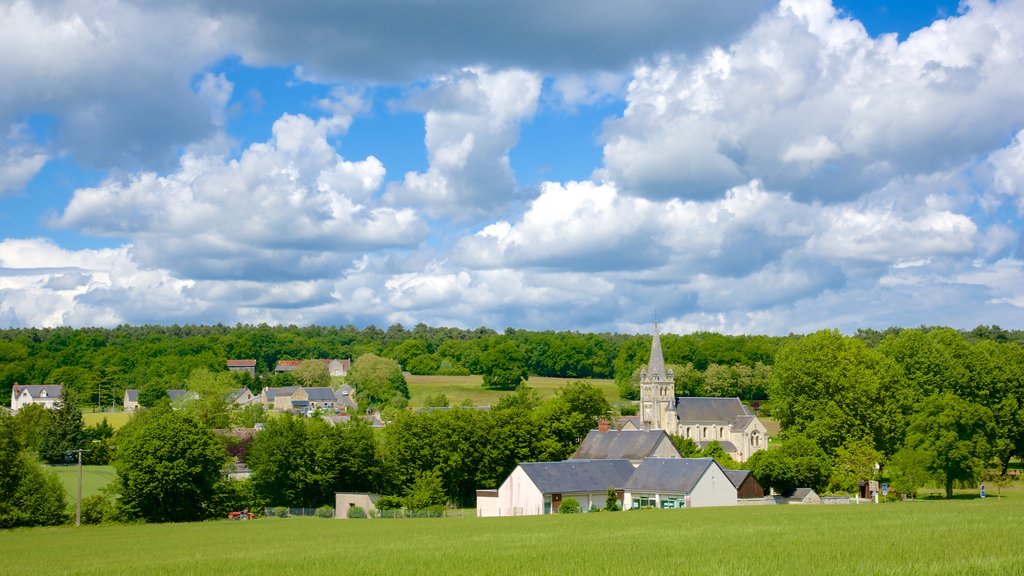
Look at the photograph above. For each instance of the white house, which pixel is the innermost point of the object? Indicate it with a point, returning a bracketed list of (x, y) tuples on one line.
[(44, 395), (678, 483), (540, 487), (131, 400)]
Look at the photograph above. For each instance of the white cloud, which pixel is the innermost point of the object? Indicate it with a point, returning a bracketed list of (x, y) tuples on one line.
[(472, 121), (288, 208), (844, 112), (115, 76)]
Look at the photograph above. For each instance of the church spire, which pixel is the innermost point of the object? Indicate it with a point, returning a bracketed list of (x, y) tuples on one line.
[(656, 365)]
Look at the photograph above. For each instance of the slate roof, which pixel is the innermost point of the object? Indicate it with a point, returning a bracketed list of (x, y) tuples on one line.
[(628, 444), (718, 410), (634, 420), (737, 476), (668, 474), (656, 364), (725, 444), (578, 476), (36, 390), (177, 393), (801, 493), (272, 393), (320, 394), (131, 395), (742, 422)]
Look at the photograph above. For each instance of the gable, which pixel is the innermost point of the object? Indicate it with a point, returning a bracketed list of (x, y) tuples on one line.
[(625, 444)]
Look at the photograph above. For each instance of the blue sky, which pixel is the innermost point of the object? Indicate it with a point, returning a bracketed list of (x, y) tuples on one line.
[(745, 167)]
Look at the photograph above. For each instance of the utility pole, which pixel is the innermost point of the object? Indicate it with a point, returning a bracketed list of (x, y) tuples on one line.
[(78, 503)]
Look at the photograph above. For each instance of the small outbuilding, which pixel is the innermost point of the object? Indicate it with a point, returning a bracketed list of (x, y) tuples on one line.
[(540, 487), (343, 501), (746, 485), (804, 496)]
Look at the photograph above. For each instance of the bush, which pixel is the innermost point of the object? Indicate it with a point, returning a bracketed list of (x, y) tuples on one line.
[(389, 503), (281, 511), (97, 509), (327, 512), (570, 506), (356, 512)]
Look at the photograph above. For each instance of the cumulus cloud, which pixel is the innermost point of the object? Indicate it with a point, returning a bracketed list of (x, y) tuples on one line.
[(288, 208), (472, 121), (403, 40), (20, 160), (807, 102), (115, 77)]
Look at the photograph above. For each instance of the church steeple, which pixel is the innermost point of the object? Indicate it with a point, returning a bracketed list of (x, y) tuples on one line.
[(657, 390), (656, 365)]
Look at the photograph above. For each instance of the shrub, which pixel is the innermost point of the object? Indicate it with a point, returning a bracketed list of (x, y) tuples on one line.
[(328, 512), (281, 511), (389, 503), (611, 503), (97, 509), (570, 506), (356, 512)]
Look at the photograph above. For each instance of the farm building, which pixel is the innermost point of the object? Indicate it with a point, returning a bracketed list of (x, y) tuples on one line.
[(247, 366), (746, 485), (632, 445), (678, 483)]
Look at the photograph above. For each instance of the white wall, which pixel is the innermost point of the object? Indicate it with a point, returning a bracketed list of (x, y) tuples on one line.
[(713, 489), (518, 496)]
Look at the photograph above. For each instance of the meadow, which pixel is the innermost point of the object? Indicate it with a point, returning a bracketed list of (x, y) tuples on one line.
[(93, 478), (961, 536), (461, 388)]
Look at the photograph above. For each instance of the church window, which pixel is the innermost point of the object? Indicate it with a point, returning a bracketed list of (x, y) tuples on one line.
[(705, 433)]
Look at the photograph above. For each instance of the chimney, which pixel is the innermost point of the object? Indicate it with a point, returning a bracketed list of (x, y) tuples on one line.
[(603, 425)]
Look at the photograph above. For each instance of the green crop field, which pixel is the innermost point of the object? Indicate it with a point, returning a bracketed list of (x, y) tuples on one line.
[(968, 536), (93, 478), (460, 388)]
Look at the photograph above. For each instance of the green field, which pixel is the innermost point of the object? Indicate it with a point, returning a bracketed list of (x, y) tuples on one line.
[(460, 388), (93, 478), (115, 419), (968, 536)]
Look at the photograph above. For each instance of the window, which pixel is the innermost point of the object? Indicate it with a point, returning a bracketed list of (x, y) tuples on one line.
[(704, 433)]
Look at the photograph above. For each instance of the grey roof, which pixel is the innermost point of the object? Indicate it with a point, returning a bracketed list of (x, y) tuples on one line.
[(725, 444), (320, 394), (737, 476), (742, 422), (578, 476), (345, 390), (36, 390), (656, 365), (131, 395), (634, 420), (669, 474), (272, 393), (717, 410), (801, 493), (176, 393), (628, 444)]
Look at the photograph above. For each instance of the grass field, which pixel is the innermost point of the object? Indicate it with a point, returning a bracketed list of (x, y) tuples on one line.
[(93, 478), (460, 388), (941, 537), (115, 419)]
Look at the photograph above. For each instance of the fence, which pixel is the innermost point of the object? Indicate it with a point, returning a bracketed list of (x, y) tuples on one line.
[(285, 512)]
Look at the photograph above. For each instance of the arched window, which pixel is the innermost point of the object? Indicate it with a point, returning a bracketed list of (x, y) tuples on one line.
[(705, 433)]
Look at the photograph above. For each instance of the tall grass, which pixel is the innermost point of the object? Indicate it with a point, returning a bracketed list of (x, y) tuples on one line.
[(948, 537)]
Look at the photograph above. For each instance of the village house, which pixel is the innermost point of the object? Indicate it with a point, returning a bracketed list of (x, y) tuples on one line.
[(535, 488), (131, 400), (335, 367), (247, 366), (703, 420), (45, 395)]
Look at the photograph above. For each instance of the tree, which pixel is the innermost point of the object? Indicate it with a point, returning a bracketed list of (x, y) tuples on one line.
[(168, 466), (855, 461), (504, 366), (31, 423), (687, 448), (715, 451), (65, 431), (210, 403), (312, 374), (32, 496), (426, 491), (908, 470), (799, 463), (956, 434), (377, 380)]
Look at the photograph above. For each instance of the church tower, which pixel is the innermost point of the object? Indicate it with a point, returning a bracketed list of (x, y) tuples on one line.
[(657, 391)]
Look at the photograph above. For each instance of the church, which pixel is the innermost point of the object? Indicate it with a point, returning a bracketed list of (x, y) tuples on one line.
[(724, 420)]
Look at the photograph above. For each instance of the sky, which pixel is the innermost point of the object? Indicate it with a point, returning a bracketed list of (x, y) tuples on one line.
[(744, 167)]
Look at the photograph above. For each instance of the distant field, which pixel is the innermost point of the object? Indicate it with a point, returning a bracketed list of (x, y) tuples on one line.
[(93, 478), (460, 388), (941, 537), (115, 419)]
